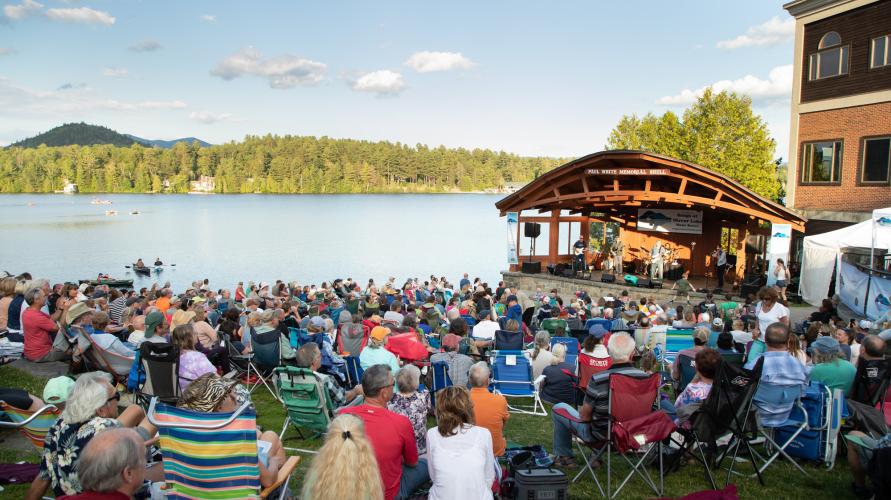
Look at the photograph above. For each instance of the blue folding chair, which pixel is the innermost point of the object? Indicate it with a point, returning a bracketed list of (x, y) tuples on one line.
[(676, 341), (354, 370), (441, 379), (512, 378), (572, 349), (506, 340), (267, 357), (605, 323), (297, 337), (470, 320), (822, 410)]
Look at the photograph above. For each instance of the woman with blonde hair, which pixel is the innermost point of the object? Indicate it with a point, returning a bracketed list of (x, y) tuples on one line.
[(7, 293), (541, 356), (345, 466), (459, 453)]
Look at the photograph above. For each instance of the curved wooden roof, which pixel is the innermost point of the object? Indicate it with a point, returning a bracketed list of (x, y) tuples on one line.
[(620, 179)]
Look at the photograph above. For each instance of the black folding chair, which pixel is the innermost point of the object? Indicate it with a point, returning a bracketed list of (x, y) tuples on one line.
[(727, 410), (506, 340), (871, 381), (159, 368)]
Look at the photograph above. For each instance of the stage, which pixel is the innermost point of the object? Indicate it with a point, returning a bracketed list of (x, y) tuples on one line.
[(567, 286)]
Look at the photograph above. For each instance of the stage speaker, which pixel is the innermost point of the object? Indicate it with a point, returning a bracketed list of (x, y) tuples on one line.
[(607, 278), (531, 267), (655, 283), (532, 229), (644, 283), (568, 272)]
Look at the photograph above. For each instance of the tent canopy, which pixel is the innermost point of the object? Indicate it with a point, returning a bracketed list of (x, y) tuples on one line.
[(821, 252)]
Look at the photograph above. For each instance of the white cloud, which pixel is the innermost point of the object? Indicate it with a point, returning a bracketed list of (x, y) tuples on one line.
[(209, 18), (207, 117), (5, 51), (145, 46), (115, 72), (777, 85), (283, 72), (23, 10), (67, 102), (770, 32), (426, 62), (84, 15), (382, 82)]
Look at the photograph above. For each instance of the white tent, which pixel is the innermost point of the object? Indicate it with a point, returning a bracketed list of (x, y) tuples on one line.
[(821, 252)]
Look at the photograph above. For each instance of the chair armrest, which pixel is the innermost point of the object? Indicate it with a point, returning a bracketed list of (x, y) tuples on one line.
[(283, 474), (537, 382)]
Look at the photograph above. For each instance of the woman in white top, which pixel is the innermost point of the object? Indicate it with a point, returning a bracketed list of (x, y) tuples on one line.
[(459, 453), (781, 273), (769, 310), (541, 356)]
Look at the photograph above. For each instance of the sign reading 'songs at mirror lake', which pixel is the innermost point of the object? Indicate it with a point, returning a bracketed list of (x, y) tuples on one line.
[(669, 221)]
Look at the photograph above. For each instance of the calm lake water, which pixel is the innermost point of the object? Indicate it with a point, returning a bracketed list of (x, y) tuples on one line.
[(231, 238)]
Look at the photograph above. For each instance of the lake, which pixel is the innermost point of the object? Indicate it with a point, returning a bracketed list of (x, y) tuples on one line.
[(231, 238)]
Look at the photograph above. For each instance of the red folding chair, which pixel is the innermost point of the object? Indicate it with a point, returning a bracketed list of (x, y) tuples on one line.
[(633, 424)]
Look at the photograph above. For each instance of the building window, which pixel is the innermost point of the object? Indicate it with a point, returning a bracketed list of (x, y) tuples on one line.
[(821, 162), (831, 60), (876, 160), (880, 52)]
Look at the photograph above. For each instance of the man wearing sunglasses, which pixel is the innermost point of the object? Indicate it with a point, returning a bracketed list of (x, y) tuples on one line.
[(91, 407)]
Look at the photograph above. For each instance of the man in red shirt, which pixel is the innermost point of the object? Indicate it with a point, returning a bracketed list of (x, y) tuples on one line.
[(391, 436), (41, 342)]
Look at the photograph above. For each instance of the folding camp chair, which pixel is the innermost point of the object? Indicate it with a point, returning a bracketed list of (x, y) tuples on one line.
[(352, 338), (632, 426), (553, 325), (470, 320), (754, 349), (725, 411), (307, 402), (440, 379), (572, 349), (508, 341), (158, 368), (297, 337), (242, 364), (512, 378), (871, 382), (819, 440), (213, 455), (605, 323), (687, 366), (267, 357), (33, 424), (354, 370), (114, 364), (734, 359), (527, 316), (588, 366), (676, 340)]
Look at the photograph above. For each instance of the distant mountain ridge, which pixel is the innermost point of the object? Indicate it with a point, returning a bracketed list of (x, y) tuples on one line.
[(83, 134), (169, 144)]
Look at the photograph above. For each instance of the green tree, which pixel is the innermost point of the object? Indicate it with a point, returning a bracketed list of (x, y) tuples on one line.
[(719, 132)]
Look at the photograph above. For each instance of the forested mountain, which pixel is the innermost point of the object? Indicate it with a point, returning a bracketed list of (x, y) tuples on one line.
[(169, 144), (268, 164), (77, 133)]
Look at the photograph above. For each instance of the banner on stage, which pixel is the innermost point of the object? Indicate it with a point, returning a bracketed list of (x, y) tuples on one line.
[(513, 220), (778, 248), (669, 221)]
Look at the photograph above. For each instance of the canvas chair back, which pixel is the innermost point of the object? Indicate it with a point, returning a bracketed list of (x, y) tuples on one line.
[(208, 455), (508, 340), (159, 362), (352, 338), (729, 401), (305, 398), (267, 350), (871, 381), (33, 424), (632, 397)]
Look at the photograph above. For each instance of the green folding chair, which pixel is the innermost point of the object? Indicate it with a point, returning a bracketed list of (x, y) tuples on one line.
[(553, 324), (307, 402)]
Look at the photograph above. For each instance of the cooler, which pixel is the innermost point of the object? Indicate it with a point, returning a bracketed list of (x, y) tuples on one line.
[(540, 484)]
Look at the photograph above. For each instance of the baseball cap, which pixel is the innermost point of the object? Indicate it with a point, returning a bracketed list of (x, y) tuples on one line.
[(57, 389), (379, 333), (718, 322), (263, 285), (98, 294), (597, 331), (394, 316), (825, 345), (701, 335), (865, 324), (317, 322)]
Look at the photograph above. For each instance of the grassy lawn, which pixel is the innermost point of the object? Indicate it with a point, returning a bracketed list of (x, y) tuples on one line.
[(783, 480)]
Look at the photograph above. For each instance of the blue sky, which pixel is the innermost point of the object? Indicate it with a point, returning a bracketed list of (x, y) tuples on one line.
[(536, 78)]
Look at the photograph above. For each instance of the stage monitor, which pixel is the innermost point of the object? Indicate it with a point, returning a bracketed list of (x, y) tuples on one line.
[(532, 229)]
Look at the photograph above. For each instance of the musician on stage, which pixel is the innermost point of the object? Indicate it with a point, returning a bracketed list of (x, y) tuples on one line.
[(720, 257), (618, 253), (657, 261), (578, 251)]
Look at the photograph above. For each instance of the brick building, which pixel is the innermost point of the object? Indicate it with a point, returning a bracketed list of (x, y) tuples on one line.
[(840, 138)]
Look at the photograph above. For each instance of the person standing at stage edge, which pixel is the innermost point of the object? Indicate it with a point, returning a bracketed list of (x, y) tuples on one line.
[(720, 257), (579, 251), (656, 261)]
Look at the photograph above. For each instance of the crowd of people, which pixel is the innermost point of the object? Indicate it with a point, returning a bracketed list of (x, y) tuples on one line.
[(378, 444)]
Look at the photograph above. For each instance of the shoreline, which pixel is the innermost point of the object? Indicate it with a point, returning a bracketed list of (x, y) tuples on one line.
[(106, 193)]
